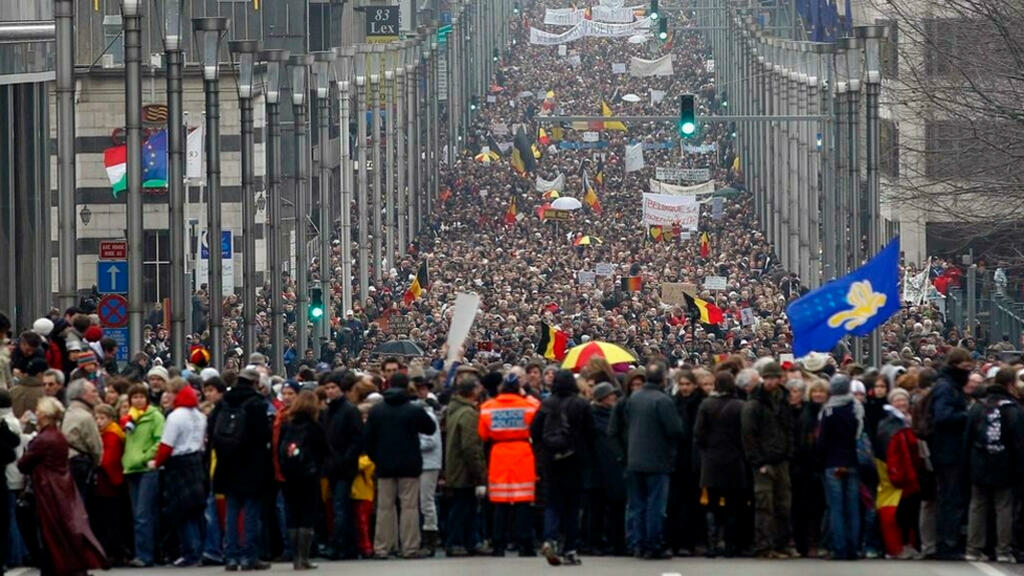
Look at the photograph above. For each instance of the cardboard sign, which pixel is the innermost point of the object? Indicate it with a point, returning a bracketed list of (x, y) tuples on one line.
[(619, 68), (604, 269), (747, 317), (714, 282), (591, 136), (586, 277), (399, 324), (672, 294)]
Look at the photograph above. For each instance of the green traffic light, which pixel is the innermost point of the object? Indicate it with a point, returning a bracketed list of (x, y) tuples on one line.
[(316, 313), (687, 128)]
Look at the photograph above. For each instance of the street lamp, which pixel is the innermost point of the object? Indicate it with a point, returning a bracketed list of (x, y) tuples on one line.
[(842, 144), (324, 68), (244, 55), (132, 22), (64, 15), (170, 32), (299, 65), (274, 61), (854, 71), (209, 33)]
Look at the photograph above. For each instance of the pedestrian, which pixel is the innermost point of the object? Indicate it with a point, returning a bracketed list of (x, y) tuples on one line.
[(653, 432), (83, 437), (465, 470), (767, 444), (899, 488), (362, 496), (949, 419), (343, 426), (608, 486), (718, 437), (110, 490), (393, 444), (301, 450), (684, 521), (239, 433), (841, 424), (432, 452), (143, 426), (560, 431), (14, 443), (29, 388), (806, 473)]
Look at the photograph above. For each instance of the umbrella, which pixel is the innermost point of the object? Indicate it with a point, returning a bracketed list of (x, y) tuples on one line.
[(487, 157), (578, 356), (637, 39), (587, 241), (566, 203), (631, 98), (525, 94), (399, 348), (551, 194)]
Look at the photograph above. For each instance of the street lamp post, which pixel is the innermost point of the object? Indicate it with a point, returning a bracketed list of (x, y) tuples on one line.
[(132, 22), (299, 65), (275, 60), (363, 195), (245, 52), (389, 153), (841, 160), (854, 67), (412, 142), (323, 67), (171, 32), (64, 13), (209, 33), (378, 193), (400, 135), (345, 107)]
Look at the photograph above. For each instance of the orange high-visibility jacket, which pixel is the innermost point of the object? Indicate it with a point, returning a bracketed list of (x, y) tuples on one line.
[(505, 423)]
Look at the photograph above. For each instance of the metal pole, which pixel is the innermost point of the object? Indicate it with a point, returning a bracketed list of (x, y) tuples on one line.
[(411, 146), (323, 92), (364, 238), (378, 193), (213, 219), (417, 160), (344, 94), (827, 157), (299, 64), (133, 137), (275, 252), (792, 148), (180, 294), (402, 151), (972, 300), (871, 37), (842, 197), (389, 152), (426, 173), (248, 158), (435, 119), (818, 269), (64, 12), (853, 134)]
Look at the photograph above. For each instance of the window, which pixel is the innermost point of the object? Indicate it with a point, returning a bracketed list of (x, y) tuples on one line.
[(890, 57), (977, 149), (112, 38), (889, 149), (156, 265)]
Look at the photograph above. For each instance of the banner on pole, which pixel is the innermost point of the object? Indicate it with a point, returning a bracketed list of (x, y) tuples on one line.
[(667, 210)]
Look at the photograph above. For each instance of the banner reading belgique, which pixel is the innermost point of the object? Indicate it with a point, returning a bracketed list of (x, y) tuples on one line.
[(666, 210)]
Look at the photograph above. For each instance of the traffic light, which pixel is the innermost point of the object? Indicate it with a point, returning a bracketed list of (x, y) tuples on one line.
[(472, 103), (497, 54), (654, 13), (663, 29), (687, 115), (316, 304), (515, 8)]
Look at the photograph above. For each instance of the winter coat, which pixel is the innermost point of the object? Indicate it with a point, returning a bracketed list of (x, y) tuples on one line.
[(141, 444), (15, 479), (25, 394), (767, 428), (718, 439), (505, 424), (837, 436), (900, 452), (464, 466), (949, 417), (80, 431), (995, 446), (607, 465), (110, 475), (344, 428), (578, 413), (392, 435), (247, 472), (653, 431), (312, 439), (431, 447), (805, 438), (687, 459)]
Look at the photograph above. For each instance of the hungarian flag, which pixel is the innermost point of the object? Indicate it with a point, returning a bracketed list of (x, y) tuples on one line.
[(511, 212), (703, 310), (115, 159), (656, 232), (632, 284), (552, 343), (705, 245), (420, 284), (606, 111)]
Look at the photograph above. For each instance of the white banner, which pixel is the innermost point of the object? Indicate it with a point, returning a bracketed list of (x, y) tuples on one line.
[(543, 185), (667, 210), (657, 96), (563, 16), (588, 28), (673, 190), (194, 156), (463, 314), (612, 14), (634, 157), (661, 67)]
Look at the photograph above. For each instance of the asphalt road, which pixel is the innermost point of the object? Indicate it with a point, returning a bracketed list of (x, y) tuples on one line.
[(616, 567)]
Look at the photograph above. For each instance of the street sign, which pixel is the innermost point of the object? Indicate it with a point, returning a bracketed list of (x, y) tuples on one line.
[(227, 262), (112, 277), (113, 311), (382, 24), (120, 335), (113, 250)]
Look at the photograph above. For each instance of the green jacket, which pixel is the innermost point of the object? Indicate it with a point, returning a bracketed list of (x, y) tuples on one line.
[(141, 444), (464, 451)]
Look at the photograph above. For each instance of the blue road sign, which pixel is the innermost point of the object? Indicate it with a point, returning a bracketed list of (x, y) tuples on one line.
[(121, 336), (225, 246), (112, 276)]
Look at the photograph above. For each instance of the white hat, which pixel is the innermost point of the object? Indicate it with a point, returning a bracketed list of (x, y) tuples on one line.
[(814, 362), (43, 326), (160, 372), (208, 373)]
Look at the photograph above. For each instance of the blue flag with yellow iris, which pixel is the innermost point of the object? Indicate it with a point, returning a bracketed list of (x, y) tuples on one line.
[(854, 304)]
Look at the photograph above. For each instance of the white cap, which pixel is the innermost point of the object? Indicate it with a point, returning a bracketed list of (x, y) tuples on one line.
[(208, 373), (43, 326)]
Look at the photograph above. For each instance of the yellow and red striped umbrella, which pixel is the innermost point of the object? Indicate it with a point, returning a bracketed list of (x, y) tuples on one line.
[(578, 356)]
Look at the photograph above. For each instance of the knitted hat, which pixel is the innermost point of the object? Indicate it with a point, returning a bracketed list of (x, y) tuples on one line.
[(160, 372), (87, 357), (207, 373), (898, 392), (93, 333)]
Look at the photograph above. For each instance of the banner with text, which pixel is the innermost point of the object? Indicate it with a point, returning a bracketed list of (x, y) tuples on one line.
[(666, 210), (673, 190), (563, 16), (588, 28), (543, 185), (661, 67)]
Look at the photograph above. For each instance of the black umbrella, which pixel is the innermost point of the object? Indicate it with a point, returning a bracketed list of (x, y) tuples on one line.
[(399, 348)]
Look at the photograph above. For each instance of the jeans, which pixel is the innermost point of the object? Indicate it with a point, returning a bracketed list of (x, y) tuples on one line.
[(144, 490), (648, 498), (190, 540), (343, 532), (842, 492), (16, 549), (951, 504), (213, 547), (280, 510), (562, 508), (461, 524), (428, 499), (241, 547)]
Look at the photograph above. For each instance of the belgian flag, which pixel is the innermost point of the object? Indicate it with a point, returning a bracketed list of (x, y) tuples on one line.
[(705, 245), (632, 284), (703, 310), (656, 232), (512, 212), (606, 111), (599, 177), (553, 343), (420, 284), (522, 153)]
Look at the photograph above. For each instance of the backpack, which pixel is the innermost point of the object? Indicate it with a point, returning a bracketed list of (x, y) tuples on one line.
[(9, 442), (990, 440), (921, 416), (557, 433), (230, 429), (294, 457)]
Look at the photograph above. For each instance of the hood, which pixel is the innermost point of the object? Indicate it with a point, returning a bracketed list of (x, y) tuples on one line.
[(956, 375), (186, 398), (396, 397)]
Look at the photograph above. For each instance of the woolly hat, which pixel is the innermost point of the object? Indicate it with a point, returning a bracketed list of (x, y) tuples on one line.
[(87, 357), (93, 333), (207, 373), (43, 326), (896, 393), (159, 372)]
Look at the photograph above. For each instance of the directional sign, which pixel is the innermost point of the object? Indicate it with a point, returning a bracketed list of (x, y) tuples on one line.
[(113, 250), (113, 311), (120, 335), (112, 277)]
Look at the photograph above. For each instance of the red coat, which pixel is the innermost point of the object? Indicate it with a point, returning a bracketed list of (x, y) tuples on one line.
[(59, 509), (902, 461), (111, 474)]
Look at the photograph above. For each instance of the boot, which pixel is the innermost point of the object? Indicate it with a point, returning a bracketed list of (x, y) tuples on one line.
[(712, 549), (429, 543), (293, 539), (306, 536)]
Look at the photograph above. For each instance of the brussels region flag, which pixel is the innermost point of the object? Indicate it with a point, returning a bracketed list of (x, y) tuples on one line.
[(552, 343), (419, 285)]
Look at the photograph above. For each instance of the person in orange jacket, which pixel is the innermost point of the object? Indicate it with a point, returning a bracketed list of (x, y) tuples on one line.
[(511, 477)]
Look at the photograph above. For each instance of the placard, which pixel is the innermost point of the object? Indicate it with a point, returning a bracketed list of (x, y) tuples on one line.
[(696, 174), (399, 324), (714, 282), (747, 317), (619, 68), (672, 294), (604, 269), (668, 173), (491, 99), (586, 277), (563, 50), (668, 210), (591, 136), (553, 214), (464, 312)]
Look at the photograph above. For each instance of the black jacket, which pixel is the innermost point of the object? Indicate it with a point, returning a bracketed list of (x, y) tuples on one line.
[(995, 449), (343, 426), (767, 428), (608, 470), (718, 438), (653, 430), (392, 435), (687, 460), (949, 417), (837, 436), (248, 472), (578, 412), (310, 438)]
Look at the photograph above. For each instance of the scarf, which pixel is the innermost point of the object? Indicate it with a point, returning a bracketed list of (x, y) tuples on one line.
[(115, 429), (135, 414), (842, 400)]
